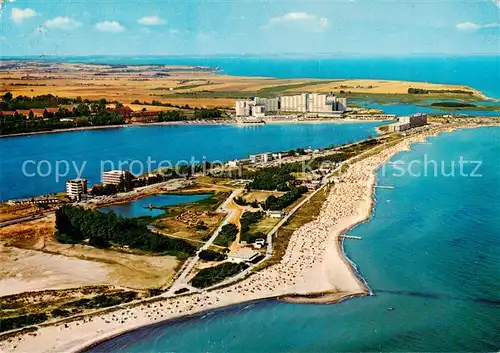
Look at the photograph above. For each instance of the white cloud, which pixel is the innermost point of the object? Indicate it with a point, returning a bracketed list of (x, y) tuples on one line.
[(470, 26), (64, 23), (205, 35), (109, 26), (151, 21), (40, 30), (19, 15), (300, 19)]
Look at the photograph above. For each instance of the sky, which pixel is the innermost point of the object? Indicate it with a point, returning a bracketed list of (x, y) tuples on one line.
[(209, 27)]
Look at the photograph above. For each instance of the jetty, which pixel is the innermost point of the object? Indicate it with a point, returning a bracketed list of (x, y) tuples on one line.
[(352, 237), (384, 187)]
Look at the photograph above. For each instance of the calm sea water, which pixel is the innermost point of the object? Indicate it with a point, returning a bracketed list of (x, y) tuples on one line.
[(140, 208), (136, 146), (480, 72), (407, 109), (431, 251)]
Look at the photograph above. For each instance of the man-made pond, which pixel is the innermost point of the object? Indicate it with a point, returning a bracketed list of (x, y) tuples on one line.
[(140, 207)]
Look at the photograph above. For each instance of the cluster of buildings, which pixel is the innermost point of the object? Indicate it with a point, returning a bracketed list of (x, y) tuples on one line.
[(76, 188), (113, 177), (314, 103), (409, 122), (30, 113), (40, 200)]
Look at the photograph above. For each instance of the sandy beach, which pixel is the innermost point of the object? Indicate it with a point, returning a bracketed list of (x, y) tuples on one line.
[(313, 263)]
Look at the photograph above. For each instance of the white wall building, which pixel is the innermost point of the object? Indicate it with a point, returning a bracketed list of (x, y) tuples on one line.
[(243, 108), (408, 122), (414, 120), (261, 157), (317, 103), (75, 188), (259, 111), (113, 177), (271, 104), (297, 103), (243, 255)]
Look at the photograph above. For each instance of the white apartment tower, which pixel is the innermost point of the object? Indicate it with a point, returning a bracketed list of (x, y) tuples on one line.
[(113, 177), (75, 188), (297, 103), (243, 108), (271, 104)]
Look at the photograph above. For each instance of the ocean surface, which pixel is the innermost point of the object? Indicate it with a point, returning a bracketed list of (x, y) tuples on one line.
[(140, 207), (51, 159), (431, 251), (481, 72)]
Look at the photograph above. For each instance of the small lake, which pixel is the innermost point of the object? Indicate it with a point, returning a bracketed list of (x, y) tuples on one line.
[(140, 208)]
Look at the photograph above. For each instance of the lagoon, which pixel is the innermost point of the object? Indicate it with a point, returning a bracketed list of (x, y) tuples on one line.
[(403, 109), (142, 146), (140, 207)]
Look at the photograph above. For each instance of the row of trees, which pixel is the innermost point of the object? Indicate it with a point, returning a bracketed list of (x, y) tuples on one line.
[(274, 203), (75, 224), (9, 102), (275, 178), (209, 276), (211, 255), (242, 202), (174, 115), (203, 114), (246, 220), (227, 235), (18, 123)]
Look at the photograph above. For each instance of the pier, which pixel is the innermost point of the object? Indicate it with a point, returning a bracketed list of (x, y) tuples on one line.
[(352, 237)]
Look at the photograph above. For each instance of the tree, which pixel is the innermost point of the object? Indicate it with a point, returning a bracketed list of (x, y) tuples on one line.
[(7, 97)]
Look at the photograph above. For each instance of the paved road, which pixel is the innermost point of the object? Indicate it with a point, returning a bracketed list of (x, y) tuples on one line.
[(24, 219), (180, 282)]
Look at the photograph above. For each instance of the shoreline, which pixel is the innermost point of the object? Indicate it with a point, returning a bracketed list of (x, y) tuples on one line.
[(73, 129), (194, 123), (323, 267)]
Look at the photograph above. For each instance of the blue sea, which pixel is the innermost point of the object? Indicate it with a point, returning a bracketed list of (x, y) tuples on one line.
[(29, 164), (431, 251), (481, 72)]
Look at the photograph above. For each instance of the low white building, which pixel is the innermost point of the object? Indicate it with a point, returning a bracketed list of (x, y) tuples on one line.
[(408, 122), (261, 157), (243, 255), (259, 243), (275, 214)]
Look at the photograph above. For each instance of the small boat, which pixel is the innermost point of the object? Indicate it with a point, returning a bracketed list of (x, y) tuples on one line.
[(390, 309)]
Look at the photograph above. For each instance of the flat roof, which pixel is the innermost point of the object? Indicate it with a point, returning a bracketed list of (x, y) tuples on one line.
[(244, 254)]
